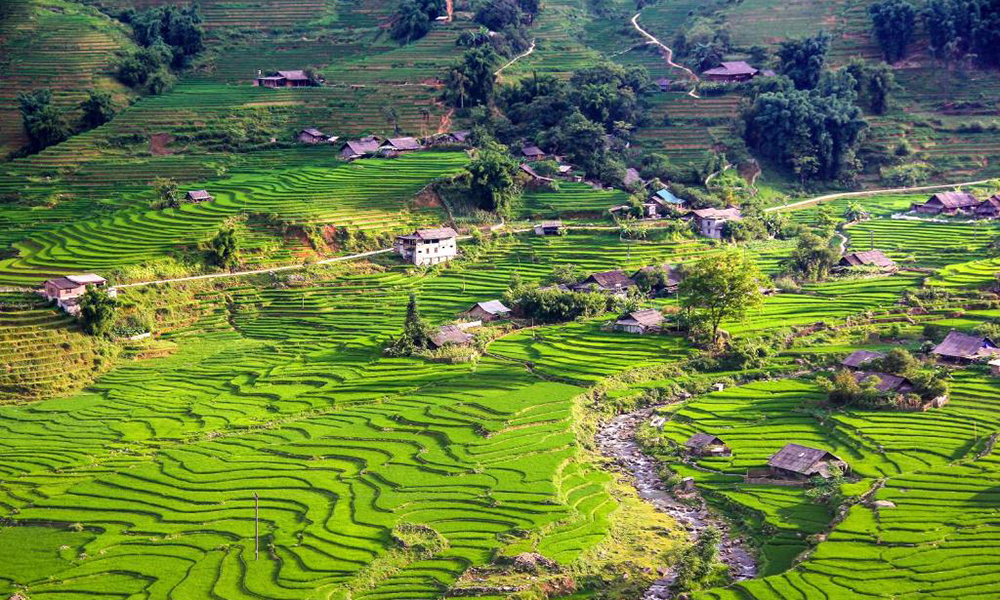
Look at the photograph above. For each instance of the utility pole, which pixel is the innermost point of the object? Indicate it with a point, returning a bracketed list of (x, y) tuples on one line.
[(256, 526)]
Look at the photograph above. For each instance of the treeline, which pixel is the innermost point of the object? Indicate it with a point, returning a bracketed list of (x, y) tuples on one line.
[(502, 19), (958, 29), (810, 119), (588, 119), (46, 125), (169, 36)]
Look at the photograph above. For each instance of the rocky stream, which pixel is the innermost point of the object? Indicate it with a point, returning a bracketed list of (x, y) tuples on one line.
[(616, 440)]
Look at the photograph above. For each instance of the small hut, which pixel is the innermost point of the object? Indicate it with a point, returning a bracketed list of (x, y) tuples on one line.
[(705, 444), (640, 321), (487, 311), (801, 462), (855, 360), (868, 258), (196, 196)]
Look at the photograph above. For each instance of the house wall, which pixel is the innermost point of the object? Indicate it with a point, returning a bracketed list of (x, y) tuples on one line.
[(429, 253)]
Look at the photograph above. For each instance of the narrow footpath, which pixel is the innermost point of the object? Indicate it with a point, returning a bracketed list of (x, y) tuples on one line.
[(668, 53), (616, 440), (528, 52)]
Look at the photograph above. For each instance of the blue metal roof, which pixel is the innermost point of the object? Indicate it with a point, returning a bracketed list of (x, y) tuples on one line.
[(666, 196)]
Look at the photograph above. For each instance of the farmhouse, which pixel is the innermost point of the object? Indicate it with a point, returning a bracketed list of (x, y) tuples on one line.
[(858, 358), (453, 137), (671, 282), (640, 321), (801, 462), (396, 146), (311, 135), (962, 347), (487, 311), (663, 83), (66, 291), (284, 79), (886, 382), (947, 203), (731, 72), (615, 282), (450, 335), (662, 204), (532, 153), (868, 258), (704, 444), (428, 246), (549, 228), (196, 196), (711, 221), (989, 208), (354, 149)]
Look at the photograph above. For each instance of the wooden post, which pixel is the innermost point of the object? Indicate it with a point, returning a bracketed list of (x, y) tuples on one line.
[(256, 526)]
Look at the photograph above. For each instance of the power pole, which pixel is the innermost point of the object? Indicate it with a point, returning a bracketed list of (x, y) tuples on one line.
[(256, 526)]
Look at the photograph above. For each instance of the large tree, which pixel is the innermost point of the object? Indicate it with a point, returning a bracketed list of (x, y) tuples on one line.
[(43, 123), (97, 109), (893, 24), (964, 28), (224, 249), (97, 311), (814, 256), (493, 178), (803, 60), (817, 135), (721, 286), (415, 334)]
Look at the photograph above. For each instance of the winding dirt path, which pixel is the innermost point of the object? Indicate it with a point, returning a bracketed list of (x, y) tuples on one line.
[(669, 52), (616, 440), (530, 50), (449, 6)]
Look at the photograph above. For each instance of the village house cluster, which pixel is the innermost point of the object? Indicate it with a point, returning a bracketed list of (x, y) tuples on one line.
[(962, 204)]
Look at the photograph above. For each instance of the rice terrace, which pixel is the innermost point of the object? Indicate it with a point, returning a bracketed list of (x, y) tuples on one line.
[(499, 299)]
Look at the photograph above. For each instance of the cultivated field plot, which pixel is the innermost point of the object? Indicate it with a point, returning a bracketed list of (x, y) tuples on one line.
[(919, 548), (371, 195), (61, 46), (280, 392)]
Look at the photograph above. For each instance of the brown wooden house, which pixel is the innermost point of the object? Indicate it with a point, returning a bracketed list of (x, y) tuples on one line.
[(195, 196), (641, 322), (963, 348), (867, 258), (616, 282), (705, 444), (487, 311), (948, 203), (857, 359), (801, 462), (989, 208), (278, 79), (731, 72)]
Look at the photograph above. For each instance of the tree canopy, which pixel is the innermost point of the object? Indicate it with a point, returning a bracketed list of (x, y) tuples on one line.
[(964, 28), (814, 134), (803, 60), (493, 178), (224, 249), (893, 23), (719, 287), (43, 123), (97, 109), (413, 19), (97, 311)]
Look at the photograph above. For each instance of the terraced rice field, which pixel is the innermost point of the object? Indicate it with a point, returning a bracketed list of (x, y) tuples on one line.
[(56, 45), (372, 195), (920, 547), (280, 391)]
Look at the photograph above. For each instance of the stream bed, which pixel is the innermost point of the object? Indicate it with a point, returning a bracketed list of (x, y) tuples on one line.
[(616, 440)]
